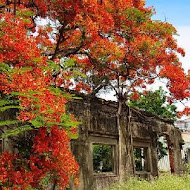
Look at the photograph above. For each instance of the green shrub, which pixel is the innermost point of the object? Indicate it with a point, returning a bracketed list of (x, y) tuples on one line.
[(187, 168), (165, 182)]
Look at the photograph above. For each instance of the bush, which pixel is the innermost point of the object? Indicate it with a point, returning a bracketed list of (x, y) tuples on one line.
[(187, 168), (165, 182)]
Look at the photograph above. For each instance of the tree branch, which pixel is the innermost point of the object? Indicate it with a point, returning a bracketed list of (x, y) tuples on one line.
[(58, 42), (15, 2), (69, 51)]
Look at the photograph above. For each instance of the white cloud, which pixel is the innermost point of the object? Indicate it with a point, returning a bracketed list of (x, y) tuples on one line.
[(184, 41)]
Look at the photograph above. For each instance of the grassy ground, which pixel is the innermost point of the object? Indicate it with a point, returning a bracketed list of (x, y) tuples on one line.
[(165, 182)]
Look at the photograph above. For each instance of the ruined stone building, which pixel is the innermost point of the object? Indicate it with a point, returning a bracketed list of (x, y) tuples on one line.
[(98, 135), (97, 147)]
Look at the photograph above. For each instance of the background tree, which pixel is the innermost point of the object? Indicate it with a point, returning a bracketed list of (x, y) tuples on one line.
[(162, 147), (155, 102), (102, 158)]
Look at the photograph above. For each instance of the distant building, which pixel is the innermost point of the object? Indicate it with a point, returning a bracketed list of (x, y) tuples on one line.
[(184, 126)]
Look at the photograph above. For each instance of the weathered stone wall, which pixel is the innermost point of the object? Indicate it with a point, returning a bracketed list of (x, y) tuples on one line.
[(99, 125), (4, 116)]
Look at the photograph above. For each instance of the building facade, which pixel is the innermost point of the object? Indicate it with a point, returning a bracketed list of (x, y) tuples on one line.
[(98, 150)]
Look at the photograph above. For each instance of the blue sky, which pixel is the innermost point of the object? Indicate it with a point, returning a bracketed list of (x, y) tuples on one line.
[(176, 12)]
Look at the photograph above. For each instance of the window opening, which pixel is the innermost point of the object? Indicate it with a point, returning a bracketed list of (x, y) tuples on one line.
[(141, 159), (103, 158), (163, 154)]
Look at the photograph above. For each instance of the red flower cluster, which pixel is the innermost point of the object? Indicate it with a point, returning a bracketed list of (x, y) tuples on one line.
[(50, 156)]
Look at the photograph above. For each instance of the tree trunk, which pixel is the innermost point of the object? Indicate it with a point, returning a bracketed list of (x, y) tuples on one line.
[(122, 143), (131, 142), (54, 185)]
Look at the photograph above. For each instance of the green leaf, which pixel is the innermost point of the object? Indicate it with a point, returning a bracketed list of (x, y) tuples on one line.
[(69, 62), (78, 73), (9, 122), (16, 131), (28, 13), (5, 68), (4, 108), (4, 65), (30, 94), (37, 123), (72, 136), (76, 97), (24, 69), (4, 102), (26, 20)]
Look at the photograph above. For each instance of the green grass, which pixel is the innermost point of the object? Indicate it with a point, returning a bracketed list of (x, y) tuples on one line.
[(165, 182)]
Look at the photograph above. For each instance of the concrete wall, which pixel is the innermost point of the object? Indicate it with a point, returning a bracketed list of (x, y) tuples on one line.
[(99, 125)]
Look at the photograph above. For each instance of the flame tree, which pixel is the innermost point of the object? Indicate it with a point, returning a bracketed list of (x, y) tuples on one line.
[(82, 45)]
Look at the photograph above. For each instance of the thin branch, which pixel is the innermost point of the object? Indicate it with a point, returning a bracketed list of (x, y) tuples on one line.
[(97, 89), (69, 51), (58, 42), (15, 2), (54, 185)]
